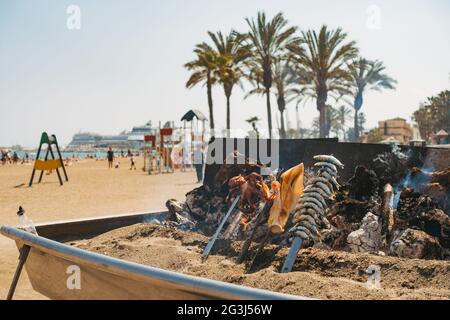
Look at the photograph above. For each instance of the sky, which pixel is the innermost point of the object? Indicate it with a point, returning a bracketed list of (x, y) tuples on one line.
[(124, 65)]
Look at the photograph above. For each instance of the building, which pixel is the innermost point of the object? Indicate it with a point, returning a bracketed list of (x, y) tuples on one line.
[(397, 129), (441, 137)]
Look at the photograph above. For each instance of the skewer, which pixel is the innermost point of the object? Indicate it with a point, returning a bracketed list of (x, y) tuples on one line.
[(260, 248), (292, 255), (211, 242), (249, 240)]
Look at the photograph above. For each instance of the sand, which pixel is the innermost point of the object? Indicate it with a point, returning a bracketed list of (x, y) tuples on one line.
[(92, 190), (317, 273)]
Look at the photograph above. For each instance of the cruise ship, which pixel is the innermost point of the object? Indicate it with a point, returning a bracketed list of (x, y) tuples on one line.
[(133, 139)]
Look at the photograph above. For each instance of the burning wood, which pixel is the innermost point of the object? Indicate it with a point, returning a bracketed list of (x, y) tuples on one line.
[(388, 211)]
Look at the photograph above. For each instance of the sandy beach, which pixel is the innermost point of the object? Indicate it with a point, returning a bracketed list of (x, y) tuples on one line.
[(92, 190)]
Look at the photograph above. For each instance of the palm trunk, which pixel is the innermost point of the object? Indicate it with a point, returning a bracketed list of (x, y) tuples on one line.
[(269, 112), (210, 104), (228, 116), (283, 129), (322, 120), (357, 106), (281, 107), (322, 107)]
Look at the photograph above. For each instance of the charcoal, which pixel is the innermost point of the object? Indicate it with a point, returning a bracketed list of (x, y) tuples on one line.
[(364, 184), (413, 243), (418, 210), (435, 185), (352, 210), (391, 167), (442, 177)]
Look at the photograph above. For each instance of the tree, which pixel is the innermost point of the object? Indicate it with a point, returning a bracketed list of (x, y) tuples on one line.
[(314, 132), (322, 64), (203, 68), (336, 120), (351, 131), (286, 88), (333, 123), (231, 58), (374, 136), (253, 122), (425, 121), (267, 41), (342, 116), (434, 115), (367, 75)]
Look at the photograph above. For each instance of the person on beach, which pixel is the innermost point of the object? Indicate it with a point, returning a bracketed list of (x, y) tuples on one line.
[(133, 165), (110, 156), (15, 158), (3, 157)]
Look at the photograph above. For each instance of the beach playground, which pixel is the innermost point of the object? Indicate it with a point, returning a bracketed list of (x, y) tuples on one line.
[(93, 190)]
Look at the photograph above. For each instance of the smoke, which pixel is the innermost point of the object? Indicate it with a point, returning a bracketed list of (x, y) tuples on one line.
[(153, 219), (393, 167), (415, 179)]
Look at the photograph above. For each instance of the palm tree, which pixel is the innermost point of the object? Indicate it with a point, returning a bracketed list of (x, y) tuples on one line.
[(253, 121), (286, 88), (268, 40), (203, 68), (333, 123), (232, 54), (314, 132), (367, 75), (323, 63), (342, 115), (350, 134)]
